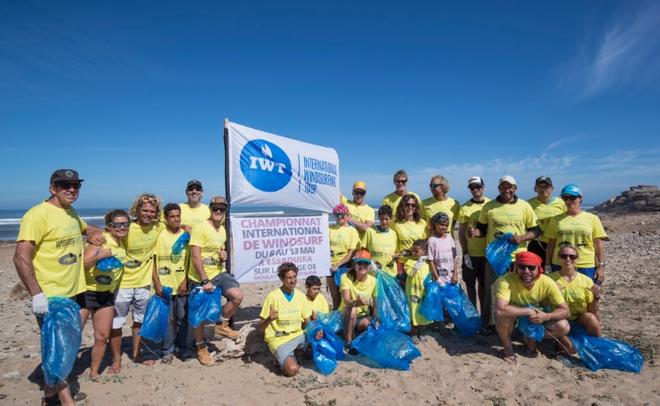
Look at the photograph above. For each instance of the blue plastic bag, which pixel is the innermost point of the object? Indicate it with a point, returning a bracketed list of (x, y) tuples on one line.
[(498, 253), (325, 351), (431, 307), (60, 339), (156, 317), (339, 272), (181, 243), (204, 306), (530, 330), (388, 348), (602, 352), (333, 321), (108, 264), (462, 312), (393, 308)]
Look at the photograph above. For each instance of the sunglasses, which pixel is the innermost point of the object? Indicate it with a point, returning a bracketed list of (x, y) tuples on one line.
[(359, 192), (569, 256), (221, 209), (523, 267), (68, 185), (404, 181), (567, 197), (411, 204), (119, 224), (434, 185), (194, 188), (339, 216), (475, 187)]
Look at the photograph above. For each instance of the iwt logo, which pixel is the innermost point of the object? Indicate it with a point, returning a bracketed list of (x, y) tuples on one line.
[(265, 165)]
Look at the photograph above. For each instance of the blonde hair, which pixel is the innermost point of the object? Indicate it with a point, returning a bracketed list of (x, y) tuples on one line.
[(566, 244), (141, 200), (441, 180)]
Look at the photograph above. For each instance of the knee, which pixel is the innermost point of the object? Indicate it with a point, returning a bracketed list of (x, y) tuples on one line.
[(235, 296), (291, 369), (101, 336), (591, 323), (561, 328)]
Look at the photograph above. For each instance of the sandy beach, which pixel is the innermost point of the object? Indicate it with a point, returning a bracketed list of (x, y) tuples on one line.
[(451, 371)]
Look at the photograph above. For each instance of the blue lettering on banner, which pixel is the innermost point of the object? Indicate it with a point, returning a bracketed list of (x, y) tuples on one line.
[(265, 165), (318, 172)]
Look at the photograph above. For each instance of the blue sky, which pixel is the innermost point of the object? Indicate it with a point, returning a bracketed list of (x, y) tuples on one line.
[(133, 94)]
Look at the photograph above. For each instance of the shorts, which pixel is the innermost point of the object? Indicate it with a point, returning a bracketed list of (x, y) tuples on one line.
[(224, 281), (128, 298), (95, 300), (286, 350)]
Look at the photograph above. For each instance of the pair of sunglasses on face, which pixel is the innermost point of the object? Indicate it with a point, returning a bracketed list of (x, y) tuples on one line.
[(220, 209), (119, 224), (569, 256), (68, 185)]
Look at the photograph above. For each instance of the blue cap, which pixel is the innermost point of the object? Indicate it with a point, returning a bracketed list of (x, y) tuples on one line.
[(571, 190)]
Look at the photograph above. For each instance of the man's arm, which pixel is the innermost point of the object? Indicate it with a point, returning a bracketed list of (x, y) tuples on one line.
[(198, 263), (600, 260), (560, 313), (24, 268), (362, 226), (94, 235), (504, 309), (531, 234)]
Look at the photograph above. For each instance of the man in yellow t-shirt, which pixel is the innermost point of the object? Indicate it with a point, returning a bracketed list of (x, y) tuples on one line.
[(49, 252), (194, 211), (382, 242), (474, 260), (283, 315), (362, 215), (169, 270), (440, 202), (546, 206), (522, 293), (400, 180)]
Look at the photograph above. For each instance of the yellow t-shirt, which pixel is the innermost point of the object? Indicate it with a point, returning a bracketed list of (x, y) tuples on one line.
[(545, 212), (191, 217), (469, 215), (393, 200), (318, 305), (577, 293), (98, 281), (140, 243), (409, 231), (448, 206), (210, 240), (359, 212), (382, 245), (171, 268), (342, 240), (581, 231), (545, 290), (365, 288), (415, 290), (57, 258), (290, 317), (513, 218)]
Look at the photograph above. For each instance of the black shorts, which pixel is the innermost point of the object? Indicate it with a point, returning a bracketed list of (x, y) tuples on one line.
[(95, 300)]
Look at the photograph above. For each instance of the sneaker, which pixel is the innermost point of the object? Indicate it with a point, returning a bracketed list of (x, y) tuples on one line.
[(167, 358), (224, 330), (204, 357)]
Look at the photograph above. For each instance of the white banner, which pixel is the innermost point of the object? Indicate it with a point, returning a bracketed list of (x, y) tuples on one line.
[(261, 244), (270, 170)]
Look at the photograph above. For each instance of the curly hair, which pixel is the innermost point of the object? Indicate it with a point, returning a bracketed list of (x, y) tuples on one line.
[(141, 200), (401, 209), (286, 267), (113, 214)]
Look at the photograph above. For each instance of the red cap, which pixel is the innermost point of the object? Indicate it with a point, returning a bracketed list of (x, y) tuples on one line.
[(528, 258), (362, 256)]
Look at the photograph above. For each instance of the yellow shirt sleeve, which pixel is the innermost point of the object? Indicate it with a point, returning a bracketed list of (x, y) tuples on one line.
[(265, 307), (599, 231), (197, 236), (345, 283), (553, 292), (503, 290)]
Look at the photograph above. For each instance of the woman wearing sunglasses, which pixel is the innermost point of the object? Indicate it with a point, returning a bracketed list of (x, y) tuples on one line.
[(582, 230), (409, 225), (102, 282), (580, 292)]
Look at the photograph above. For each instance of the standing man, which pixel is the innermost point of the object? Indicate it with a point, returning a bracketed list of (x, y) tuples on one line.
[(474, 255), (400, 180), (440, 202), (48, 255), (506, 214), (207, 250), (546, 206), (362, 215), (194, 211)]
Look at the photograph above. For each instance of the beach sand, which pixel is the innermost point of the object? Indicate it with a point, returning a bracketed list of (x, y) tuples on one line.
[(451, 371)]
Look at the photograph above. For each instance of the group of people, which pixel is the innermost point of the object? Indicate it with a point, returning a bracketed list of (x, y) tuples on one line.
[(555, 275)]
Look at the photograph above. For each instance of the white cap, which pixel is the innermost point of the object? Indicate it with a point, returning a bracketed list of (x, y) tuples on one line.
[(509, 179), (475, 179)]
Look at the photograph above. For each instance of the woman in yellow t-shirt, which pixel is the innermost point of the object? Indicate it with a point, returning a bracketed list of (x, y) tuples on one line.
[(344, 239), (102, 282), (358, 290), (580, 292), (408, 226)]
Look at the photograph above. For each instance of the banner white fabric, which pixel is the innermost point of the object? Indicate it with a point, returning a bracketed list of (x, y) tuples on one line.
[(261, 244), (270, 170)]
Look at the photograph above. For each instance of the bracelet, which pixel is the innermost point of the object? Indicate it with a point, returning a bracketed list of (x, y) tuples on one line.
[(205, 281)]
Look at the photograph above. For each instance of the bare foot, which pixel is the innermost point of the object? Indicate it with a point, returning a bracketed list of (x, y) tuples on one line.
[(510, 358), (94, 377), (115, 368), (145, 362)]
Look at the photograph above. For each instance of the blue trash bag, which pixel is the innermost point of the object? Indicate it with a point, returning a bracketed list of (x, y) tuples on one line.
[(333, 321), (60, 339), (388, 348), (462, 312), (498, 253), (181, 243), (530, 330), (393, 308), (326, 351), (156, 317), (204, 306), (108, 264), (339, 272), (602, 352), (431, 307)]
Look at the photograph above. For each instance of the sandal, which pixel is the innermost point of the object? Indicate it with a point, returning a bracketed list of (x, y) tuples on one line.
[(79, 396)]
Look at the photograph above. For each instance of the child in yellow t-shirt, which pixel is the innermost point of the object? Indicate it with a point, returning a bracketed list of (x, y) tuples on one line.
[(316, 302), (417, 269)]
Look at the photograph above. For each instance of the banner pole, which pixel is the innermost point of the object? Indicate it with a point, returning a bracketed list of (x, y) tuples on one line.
[(228, 197)]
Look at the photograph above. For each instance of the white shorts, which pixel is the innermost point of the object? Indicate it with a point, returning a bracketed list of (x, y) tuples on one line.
[(127, 298)]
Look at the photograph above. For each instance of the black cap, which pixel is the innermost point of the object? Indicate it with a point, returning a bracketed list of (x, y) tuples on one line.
[(194, 182), (543, 179), (65, 175)]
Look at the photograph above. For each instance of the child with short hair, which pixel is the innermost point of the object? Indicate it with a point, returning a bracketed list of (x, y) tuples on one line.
[(442, 251), (315, 300), (417, 269)]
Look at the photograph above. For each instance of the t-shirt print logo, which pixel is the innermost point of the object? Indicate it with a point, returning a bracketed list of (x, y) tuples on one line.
[(132, 263), (68, 259), (103, 279), (265, 165), (164, 271), (68, 174)]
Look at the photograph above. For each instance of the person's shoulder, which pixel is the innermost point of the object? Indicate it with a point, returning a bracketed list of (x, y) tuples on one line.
[(273, 295), (555, 276), (524, 203), (491, 204), (39, 209), (546, 280), (584, 280), (534, 201)]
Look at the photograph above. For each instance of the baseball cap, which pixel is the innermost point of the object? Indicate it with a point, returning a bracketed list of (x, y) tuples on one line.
[(359, 185), (194, 182), (362, 256), (65, 175), (543, 179), (218, 200), (509, 179), (571, 190), (475, 179)]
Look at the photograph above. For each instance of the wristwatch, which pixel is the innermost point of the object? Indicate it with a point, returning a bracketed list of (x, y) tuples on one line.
[(601, 264), (205, 281)]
